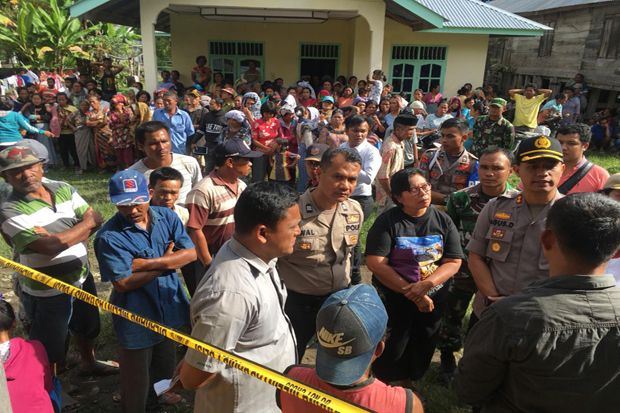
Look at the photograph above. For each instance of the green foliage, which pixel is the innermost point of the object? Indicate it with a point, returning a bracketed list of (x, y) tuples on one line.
[(44, 34)]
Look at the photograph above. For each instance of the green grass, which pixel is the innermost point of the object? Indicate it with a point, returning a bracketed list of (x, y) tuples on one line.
[(93, 187)]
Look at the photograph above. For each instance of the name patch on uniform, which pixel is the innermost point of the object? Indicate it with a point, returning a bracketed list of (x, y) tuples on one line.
[(309, 208), (502, 223), (502, 215), (305, 246), (496, 247), (306, 232), (353, 219), (498, 233)]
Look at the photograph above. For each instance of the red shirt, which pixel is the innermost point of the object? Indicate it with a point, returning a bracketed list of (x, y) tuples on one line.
[(28, 377), (594, 180), (372, 394), (266, 131)]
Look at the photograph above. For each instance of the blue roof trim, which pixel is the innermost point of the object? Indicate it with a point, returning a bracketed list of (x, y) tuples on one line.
[(425, 13), (84, 6)]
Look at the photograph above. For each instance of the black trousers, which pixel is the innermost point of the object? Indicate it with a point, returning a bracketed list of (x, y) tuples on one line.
[(302, 309), (367, 204), (67, 147), (412, 336)]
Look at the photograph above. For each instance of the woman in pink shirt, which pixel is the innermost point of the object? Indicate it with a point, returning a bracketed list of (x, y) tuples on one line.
[(26, 366), (264, 133), (433, 98)]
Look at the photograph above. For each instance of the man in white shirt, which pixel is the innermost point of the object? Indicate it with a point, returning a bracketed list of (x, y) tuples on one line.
[(357, 130)]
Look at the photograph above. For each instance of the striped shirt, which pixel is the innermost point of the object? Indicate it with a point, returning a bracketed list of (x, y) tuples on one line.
[(211, 205), (187, 165), (20, 215)]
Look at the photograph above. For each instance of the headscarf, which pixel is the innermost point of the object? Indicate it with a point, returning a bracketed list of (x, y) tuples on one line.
[(305, 84), (255, 109), (119, 98)]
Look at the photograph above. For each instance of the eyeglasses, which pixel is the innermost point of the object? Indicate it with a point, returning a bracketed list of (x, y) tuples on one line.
[(416, 190), (314, 164)]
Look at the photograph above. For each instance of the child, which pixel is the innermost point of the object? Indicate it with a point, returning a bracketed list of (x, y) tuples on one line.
[(28, 375), (164, 186), (376, 85), (283, 163)]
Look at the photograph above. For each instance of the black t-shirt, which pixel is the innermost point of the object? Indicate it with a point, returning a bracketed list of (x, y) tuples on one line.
[(414, 246)]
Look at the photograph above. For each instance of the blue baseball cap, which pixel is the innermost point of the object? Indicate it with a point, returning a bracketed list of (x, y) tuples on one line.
[(327, 99), (349, 326), (128, 187), (235, 147)]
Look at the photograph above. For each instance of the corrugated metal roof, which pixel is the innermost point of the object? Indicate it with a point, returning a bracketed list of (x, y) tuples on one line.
[(478, 15), (525, 6)]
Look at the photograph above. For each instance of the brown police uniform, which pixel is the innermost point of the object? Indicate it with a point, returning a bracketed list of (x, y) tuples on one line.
[(508, 236), (321, 261), (446, 177)]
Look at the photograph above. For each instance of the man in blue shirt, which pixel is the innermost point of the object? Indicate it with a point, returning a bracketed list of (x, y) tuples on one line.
[(178, 121), (139, 250)]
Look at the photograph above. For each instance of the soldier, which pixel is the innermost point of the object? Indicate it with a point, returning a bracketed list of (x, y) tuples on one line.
[(504, 250), (330, 223), (449, 167), (463, 207), (493, 129)]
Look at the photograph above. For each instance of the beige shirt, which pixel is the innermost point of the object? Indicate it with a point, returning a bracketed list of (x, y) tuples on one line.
[(508, 237), (320, 263), (239, 307), (392, 161)]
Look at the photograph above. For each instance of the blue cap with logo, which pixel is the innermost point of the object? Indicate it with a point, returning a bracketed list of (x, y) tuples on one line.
[(349, 326), (128, 187)]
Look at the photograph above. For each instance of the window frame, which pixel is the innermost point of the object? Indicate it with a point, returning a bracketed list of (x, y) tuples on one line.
[(413, 56)]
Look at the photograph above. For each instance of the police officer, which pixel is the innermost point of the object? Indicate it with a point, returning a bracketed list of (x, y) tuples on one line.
[(450, 167), (321, 260), (464, 206), (504, 250)]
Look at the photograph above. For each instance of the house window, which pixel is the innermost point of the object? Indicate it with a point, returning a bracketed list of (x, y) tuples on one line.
[(546, 40), (318, 60), (414, 67), (610, 49), (233, 59)]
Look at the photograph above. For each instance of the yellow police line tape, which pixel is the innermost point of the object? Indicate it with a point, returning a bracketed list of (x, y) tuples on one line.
[(300, 390)]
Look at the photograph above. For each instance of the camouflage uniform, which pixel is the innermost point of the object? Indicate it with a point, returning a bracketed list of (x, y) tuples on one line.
[(444, 175), (463, 207), (488, 132)]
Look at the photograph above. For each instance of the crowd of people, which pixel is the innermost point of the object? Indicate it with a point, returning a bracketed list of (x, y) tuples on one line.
[(256, 194)]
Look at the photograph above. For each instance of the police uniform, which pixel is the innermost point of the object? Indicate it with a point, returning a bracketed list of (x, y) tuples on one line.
[(508, 236), (321, 260), (446, 177)]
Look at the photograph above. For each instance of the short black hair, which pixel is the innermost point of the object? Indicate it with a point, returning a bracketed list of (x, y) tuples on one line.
[(263, 203), (165, 173), (354, 121), (143, 93), (399, 182), (268, 107), (532, 85), (492, 150), (460, 124), (7, 315), (581, 129), (149, 127), (350, 155), (586, 226)]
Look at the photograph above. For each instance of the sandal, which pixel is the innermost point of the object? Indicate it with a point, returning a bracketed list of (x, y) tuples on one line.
[(101, 368)]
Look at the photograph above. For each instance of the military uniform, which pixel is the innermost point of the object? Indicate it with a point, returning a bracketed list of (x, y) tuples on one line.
[(488, 132), (321, 261), (463, 207), (444, 176), (508, 237)]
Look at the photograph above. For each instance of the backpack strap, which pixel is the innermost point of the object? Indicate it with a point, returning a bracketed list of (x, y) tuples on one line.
[(575, 178)]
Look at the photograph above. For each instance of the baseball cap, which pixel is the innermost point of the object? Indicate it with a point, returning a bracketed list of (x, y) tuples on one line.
[(229, 90), (327, 99), (235, 147), (539, 147), (499, 102), (349, 326), (613, 182), (17, 156), (236, 115), (315, 152), (128, 187)]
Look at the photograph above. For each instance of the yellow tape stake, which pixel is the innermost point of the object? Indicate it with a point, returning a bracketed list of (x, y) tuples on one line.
[(300, 390)]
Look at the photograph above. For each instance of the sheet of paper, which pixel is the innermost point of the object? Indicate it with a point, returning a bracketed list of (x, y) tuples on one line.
[(162, 386)]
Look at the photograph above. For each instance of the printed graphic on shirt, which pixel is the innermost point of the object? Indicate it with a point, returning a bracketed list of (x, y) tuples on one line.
[(415, 258)]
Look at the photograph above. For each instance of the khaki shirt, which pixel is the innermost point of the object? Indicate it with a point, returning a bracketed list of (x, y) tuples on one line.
[(320, 263), (509, 238), (443, 176), (392, 161)]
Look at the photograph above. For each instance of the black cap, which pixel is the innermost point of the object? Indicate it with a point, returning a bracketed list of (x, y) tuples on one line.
[(539, 147), (315, 152), (236, 147)]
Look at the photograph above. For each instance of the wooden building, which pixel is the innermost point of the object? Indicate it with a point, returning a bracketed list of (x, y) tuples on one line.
[(585, 39)]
